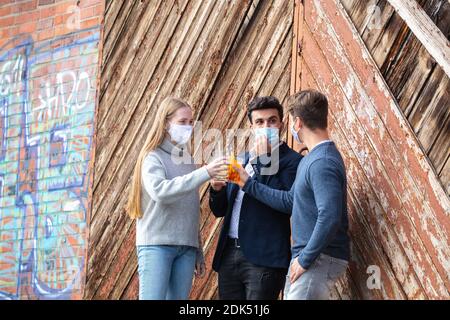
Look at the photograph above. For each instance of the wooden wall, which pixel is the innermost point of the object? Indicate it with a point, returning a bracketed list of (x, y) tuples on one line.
[(215, 54), (419, 85), (398, 210), (218, 55)]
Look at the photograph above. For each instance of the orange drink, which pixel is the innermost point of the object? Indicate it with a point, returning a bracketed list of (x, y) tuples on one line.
[(233, 175)]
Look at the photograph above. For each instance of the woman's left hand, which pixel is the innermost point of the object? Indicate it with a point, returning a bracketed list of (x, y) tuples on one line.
[(200, 269)]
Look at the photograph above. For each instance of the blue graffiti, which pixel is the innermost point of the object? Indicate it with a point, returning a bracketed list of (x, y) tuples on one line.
[(47, 114)]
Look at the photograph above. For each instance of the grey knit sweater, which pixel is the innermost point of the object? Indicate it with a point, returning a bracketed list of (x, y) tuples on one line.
[(170, 198)]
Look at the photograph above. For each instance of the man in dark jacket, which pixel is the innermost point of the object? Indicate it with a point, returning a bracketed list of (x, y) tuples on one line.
[(253, 253)]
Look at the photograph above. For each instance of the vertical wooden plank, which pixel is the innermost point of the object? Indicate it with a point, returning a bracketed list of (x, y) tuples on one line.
[(297, 69), (295, 41)]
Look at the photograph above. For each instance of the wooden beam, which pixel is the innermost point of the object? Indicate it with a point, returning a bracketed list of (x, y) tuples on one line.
[(425, 30)]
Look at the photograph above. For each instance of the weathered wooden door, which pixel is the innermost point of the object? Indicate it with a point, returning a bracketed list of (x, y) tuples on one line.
[(399, 212)]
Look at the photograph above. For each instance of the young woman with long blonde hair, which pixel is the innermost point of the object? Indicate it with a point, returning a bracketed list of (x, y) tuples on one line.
[(164, 199)]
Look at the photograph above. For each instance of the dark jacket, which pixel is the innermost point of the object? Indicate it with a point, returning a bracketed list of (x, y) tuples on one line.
[(264, 233)]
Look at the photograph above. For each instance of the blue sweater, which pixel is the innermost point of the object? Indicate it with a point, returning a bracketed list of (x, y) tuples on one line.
[(318, 203)]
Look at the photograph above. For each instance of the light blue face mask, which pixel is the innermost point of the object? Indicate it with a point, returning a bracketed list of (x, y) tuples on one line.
[(295, 133), (272, 134)]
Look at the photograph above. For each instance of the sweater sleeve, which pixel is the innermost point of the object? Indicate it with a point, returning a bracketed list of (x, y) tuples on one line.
[(280, 200), (286, 175), (327, 185), (166, 190)]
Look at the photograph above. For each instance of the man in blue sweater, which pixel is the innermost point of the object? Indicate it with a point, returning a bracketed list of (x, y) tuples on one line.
[(317, 202)]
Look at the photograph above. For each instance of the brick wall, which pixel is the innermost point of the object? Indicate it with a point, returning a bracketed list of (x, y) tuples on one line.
[(49, 65)]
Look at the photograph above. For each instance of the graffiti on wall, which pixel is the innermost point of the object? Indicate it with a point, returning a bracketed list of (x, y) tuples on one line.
[(47, 110)]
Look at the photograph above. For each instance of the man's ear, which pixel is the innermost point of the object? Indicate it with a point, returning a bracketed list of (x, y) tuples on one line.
[(299, 123), (295, 124), (250, 122)]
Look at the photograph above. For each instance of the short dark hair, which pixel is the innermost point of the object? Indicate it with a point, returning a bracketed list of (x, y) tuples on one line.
[(261, 103), (311, 106)]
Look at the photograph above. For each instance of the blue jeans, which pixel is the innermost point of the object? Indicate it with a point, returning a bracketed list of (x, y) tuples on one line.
[(165, 271), (318, 281)]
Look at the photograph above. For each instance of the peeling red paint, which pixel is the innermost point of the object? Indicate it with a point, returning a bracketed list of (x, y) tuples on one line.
[(405, 208)]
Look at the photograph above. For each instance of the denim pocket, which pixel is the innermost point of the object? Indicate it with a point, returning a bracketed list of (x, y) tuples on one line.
[(339, 261), (265, 276), (337, 269)]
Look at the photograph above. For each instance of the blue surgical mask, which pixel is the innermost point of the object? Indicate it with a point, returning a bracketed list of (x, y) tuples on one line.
[(180, 133), (272, 134), (295, 133)]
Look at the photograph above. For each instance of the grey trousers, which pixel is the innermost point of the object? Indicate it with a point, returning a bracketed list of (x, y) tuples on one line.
[(318, 281)]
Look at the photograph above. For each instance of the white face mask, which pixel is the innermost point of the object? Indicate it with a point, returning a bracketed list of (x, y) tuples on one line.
[(295, 133), (180, 133)]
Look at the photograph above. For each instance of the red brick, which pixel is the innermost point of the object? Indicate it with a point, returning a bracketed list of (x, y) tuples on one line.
[(47, 12), (28, 27), (45, 34), (90, 22), (45, 2), (4, 33), (89, 3), (87, 13), (45, 24), (24, 6), (5, 11), (13, 31), (61, 19), (99, 10), (6, 2), (6, 22), (27, 17), (66, 7)]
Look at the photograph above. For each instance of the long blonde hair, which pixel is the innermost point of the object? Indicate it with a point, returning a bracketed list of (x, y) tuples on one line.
[(155, 137)]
